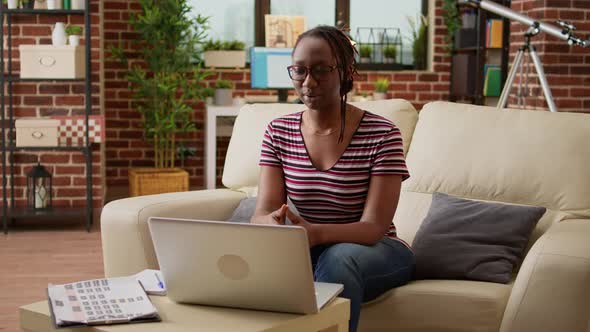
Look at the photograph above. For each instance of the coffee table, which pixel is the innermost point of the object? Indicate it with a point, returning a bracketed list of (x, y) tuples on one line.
[(195, 318)]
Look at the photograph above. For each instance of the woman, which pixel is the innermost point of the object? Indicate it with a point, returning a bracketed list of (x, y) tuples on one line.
[(342, 167)]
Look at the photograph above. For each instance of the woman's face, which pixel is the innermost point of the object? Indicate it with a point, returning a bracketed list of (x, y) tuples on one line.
[(320, 88)]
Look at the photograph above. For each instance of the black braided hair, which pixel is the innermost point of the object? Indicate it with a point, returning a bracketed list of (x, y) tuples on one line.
[(344, 51)]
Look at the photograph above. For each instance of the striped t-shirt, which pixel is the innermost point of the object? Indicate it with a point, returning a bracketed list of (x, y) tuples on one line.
[(338, 194)]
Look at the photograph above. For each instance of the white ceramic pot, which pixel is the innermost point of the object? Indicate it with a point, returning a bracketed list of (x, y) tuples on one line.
[(54, 4), (12, 4), (74, 40), (379, 95), (58, 36), (78, 4), (223, 97)]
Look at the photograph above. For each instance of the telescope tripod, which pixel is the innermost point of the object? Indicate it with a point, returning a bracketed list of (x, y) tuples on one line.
[(527, 47)]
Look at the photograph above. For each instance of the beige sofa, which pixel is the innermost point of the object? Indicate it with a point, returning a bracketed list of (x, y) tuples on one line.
[(523, 157)]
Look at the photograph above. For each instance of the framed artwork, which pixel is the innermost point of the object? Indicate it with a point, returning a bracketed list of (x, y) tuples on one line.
[(283, 30)]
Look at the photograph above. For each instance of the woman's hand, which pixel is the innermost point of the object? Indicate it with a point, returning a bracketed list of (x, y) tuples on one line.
[(278, 216), (312, 229)]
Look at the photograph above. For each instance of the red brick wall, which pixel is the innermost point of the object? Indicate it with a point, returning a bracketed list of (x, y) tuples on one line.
[(56, 99), (567, 68), (125, 147)]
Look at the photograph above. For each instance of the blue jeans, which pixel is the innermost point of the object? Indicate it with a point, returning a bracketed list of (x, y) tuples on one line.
[(365, 271)]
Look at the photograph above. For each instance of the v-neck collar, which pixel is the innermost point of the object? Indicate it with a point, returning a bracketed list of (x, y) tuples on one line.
[(343, 152)]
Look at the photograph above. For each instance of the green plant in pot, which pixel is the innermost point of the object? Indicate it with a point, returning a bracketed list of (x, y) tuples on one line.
[(381, 86), (365, 52), (223, 92), (74, 32), (389, 53), (452, 21), (419, 40), (11, 4), (228, 54), (164, 81)]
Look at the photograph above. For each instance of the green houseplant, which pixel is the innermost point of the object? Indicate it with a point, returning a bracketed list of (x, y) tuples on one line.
[(419, 40), (223, 92), (365, 52), (381, 86), (164, 81), (74, 32), (452, 21), (389, 53), (229, 54)]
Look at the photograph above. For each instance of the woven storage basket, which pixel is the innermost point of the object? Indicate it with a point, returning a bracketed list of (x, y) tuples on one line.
[(150, 181)]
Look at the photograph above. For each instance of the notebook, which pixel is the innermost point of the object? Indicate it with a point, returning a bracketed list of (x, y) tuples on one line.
[(262, 267)]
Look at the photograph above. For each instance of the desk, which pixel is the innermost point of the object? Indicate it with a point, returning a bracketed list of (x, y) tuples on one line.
[(211, 139), (184, 317)]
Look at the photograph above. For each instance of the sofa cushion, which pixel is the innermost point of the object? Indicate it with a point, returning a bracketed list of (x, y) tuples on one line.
[(438, 305), (522, 157), (465, 239), (243, 153)]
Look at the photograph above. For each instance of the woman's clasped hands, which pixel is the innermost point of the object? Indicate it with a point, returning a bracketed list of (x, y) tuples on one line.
[(279, 217)]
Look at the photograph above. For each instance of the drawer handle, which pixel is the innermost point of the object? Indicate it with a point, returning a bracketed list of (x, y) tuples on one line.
[(47, 61), (37, 135)]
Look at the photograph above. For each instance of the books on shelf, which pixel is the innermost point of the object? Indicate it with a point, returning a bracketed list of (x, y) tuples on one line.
[(106, 301), (494, 29), (492, 80)]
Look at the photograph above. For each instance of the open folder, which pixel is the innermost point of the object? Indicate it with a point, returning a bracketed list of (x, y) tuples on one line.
[(104, 301)]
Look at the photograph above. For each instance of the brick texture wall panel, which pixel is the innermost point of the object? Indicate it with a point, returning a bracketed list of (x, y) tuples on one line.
[(121, 117)]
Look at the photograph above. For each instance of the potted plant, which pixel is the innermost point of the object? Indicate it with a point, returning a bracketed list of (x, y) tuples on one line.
[(223, 92), (452, 21), (11, 4), (166, 85), (381, 86), (365, 52), (389, 53), (208, 94), (74, 32), (229, 54), (419, 41)]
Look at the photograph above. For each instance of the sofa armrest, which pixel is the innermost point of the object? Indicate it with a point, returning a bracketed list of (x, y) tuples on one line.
[(552, 289), (126, 242)]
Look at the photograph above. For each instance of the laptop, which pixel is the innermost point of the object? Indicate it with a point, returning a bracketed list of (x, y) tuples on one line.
[(262, 267)]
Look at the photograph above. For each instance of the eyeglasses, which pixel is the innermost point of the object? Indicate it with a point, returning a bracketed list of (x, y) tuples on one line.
[(319, 73)]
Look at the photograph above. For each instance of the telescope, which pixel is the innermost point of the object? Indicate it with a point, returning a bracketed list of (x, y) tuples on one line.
[(564, 32)]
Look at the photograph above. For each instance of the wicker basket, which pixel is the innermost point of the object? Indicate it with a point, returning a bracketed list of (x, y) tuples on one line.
[(150, 181)]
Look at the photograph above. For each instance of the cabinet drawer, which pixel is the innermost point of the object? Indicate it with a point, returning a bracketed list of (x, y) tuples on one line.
[(48, 61), (36, 132)]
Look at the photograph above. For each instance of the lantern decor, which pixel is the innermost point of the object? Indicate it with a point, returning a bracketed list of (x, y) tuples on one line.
[(39, 188)]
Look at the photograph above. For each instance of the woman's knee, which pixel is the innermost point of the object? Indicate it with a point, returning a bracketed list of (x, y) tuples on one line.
[(339, 263)]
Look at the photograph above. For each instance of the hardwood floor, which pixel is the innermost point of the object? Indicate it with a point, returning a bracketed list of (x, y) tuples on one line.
[(37, 252)]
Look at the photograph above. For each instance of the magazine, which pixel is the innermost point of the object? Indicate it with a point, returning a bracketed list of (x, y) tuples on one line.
[(100, 301)]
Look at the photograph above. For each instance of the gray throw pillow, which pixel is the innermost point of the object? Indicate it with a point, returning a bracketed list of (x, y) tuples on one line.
[(245, 210), (465, 239)]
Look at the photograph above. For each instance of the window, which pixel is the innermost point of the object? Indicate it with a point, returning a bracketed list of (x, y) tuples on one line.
[(244, 20), (389, 26), (228, 19), (315, 12)]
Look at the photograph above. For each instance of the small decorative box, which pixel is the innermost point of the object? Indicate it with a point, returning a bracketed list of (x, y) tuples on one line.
[(48, 61), (36, 132)]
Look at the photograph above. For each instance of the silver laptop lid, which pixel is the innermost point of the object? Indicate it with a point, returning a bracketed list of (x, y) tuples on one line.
[(249, 266)]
